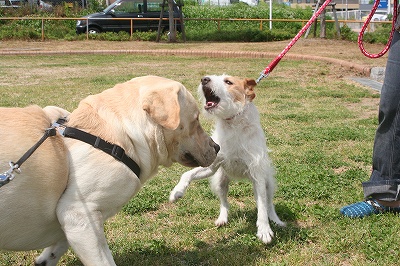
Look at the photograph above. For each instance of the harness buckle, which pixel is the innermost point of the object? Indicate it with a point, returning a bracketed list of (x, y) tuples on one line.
[(117, 152), (59, 126)]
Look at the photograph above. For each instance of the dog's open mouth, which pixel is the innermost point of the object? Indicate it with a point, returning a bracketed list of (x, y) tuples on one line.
[(212, 100), (189, 160)]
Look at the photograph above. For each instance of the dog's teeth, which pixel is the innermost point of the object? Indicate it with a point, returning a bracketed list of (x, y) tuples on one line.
[(209, 105)]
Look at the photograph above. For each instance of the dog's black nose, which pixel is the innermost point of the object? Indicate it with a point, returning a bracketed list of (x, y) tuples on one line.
[(205, 80), (216, 148)]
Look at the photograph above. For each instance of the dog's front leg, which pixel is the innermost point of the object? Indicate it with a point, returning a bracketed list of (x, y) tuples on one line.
[(264, 231), (51, 255), (194, 174), (83, 227), (220, 186)]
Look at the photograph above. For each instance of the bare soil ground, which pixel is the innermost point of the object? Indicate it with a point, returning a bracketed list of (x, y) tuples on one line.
[(338, 49)]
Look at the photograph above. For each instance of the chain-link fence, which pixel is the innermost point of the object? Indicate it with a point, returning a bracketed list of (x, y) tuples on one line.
[(69, 3), (46, 5)]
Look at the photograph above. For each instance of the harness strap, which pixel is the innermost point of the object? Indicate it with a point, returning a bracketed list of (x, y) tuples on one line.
[(47, 133), (114, 150), (9, 175)]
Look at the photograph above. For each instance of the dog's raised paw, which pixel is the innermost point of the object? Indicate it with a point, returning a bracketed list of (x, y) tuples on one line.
[(175, 195)]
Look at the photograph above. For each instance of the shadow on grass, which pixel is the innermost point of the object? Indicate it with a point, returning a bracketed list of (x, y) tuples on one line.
[(234, 247)]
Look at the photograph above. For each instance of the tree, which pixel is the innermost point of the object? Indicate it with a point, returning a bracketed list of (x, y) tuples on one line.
[(172, 29)]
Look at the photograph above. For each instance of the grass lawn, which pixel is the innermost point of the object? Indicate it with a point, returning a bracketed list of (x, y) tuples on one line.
[(319, 126)]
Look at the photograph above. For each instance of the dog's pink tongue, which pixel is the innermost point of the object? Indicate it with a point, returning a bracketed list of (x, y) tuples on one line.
[(209, 105)]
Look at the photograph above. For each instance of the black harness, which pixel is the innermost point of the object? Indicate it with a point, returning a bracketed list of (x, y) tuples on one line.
[(114, 150)]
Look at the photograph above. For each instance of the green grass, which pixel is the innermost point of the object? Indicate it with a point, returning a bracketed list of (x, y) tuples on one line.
[(320, 128)]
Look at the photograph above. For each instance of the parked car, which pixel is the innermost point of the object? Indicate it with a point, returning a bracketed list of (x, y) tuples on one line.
[(112, 18), (376, 17)]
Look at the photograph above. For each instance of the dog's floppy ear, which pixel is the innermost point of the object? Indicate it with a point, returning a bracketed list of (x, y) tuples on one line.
[(249, 86), (162, 105)]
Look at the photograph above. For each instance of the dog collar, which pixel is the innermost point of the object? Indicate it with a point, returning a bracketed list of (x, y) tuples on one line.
[(241, 112), (114, 150), (232, 117)]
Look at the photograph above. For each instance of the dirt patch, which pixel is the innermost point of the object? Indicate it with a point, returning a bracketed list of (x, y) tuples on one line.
[(335, 49), (368, 107)]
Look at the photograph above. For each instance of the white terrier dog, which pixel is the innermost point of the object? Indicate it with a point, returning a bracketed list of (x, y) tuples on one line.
[(243, 153)]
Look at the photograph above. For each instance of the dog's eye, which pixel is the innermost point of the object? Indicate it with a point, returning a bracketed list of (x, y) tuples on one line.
[(228, 82)]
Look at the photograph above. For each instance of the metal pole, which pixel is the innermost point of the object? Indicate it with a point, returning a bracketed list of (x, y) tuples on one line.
[(270, 14)]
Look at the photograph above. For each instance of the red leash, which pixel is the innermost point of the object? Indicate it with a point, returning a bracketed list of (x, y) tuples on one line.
[(273, 64), (364, 27)]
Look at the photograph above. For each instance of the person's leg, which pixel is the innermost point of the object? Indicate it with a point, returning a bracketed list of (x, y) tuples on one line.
[(385, 179), (382, 190)]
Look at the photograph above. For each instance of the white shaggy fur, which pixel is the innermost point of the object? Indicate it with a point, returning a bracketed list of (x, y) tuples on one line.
[(243, 153)]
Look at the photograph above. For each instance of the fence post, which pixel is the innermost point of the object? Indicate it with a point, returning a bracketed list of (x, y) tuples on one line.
[(131, 29), (42, 29)]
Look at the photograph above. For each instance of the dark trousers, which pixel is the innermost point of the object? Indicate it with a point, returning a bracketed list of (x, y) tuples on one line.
[(384, 183)]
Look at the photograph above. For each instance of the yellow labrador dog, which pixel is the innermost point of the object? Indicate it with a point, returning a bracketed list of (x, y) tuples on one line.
[(244, 153), (69, 187)]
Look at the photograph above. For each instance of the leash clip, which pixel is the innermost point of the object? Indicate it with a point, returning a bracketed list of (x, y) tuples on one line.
[(9, 175), (262, 75)]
